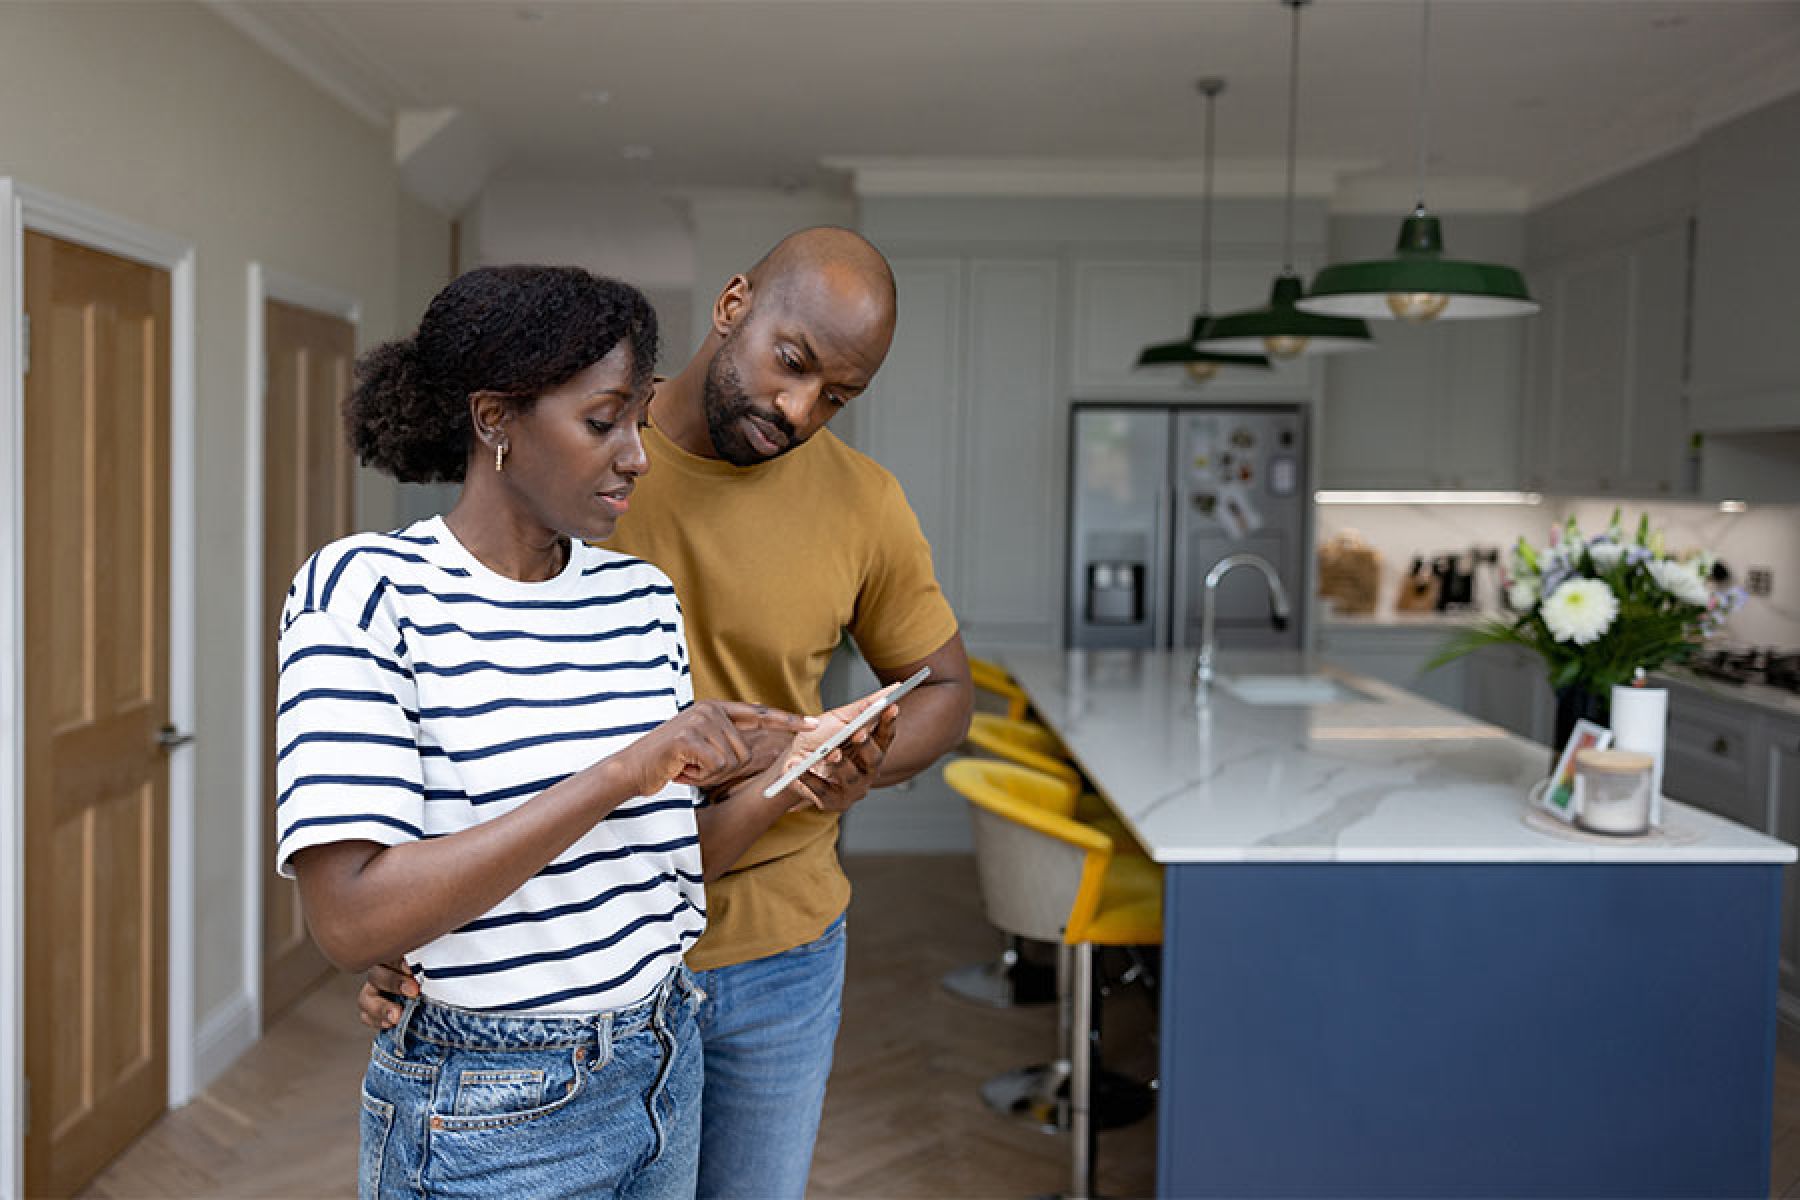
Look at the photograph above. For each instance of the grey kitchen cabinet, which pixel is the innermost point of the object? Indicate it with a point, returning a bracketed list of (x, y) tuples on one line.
[(908, 420), (1781, 765), (1607, 405), (1120, 305), (1710, 758), (1747, 254), (966, 414), (1435, 406), (1508, 686), (1009, 543)]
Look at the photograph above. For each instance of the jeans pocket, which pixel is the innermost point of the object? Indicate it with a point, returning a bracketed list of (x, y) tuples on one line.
[(488, 1096), (377, 1122), (490, 1093)]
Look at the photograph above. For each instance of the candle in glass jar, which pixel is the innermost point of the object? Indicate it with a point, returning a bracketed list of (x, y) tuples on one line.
[(1614, 786)]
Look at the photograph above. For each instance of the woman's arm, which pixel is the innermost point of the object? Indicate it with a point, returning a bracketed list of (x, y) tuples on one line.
[(367, 903)]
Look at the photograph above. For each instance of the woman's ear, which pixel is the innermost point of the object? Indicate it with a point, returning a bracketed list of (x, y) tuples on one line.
[(732, 305), (489, 413)]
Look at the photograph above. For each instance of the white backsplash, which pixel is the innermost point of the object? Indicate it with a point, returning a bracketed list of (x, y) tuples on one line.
[(1400, 531), (1765, 536)]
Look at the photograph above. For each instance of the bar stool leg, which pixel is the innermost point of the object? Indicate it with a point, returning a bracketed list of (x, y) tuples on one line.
[(1082, 1145)]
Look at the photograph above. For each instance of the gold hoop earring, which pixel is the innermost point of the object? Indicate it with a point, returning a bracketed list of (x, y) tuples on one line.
[(500, 457)]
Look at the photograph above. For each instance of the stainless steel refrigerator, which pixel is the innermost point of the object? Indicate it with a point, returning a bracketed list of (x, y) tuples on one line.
[(1157, 495)]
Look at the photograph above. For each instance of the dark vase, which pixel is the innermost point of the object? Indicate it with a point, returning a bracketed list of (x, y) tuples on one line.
[(1573, 704)]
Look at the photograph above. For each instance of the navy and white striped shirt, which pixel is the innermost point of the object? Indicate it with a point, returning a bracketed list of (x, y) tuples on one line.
[(422, 694)]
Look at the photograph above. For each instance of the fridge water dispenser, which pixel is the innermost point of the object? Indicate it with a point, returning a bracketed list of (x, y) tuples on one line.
[(1115, 593)]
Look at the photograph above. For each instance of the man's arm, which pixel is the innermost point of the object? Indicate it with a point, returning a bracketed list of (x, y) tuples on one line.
[(934, 717)]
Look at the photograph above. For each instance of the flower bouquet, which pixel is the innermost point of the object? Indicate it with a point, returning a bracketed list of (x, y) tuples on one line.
[(1599, 610)]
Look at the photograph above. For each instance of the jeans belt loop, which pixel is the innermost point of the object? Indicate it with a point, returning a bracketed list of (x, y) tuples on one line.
[(602, 1041), (405, 1021)]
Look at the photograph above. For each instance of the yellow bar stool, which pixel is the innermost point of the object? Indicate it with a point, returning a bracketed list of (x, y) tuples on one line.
[(989, 676), (1046, 875), (1011, 981), (1033, 745)]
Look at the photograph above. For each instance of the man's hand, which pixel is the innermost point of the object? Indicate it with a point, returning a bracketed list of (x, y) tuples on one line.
[(847, 773), (385, 988)]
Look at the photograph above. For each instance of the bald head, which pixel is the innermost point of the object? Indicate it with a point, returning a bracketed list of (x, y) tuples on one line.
[(840, 259)]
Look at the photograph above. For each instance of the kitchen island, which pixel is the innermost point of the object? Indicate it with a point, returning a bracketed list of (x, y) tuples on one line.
[(1379, 979)]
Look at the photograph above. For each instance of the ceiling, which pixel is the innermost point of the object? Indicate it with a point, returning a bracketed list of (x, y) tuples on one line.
[(1529, 99)]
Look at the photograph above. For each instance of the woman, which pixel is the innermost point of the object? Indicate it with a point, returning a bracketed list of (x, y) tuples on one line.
[(488, 748)]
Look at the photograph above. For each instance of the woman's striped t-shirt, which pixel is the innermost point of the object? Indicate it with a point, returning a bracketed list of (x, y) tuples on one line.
[(422, 694)]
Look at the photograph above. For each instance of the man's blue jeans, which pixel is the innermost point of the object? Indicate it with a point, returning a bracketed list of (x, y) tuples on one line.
[(768, 1026)]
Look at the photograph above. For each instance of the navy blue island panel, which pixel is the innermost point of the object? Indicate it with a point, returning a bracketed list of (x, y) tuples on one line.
[(1451, 1029)]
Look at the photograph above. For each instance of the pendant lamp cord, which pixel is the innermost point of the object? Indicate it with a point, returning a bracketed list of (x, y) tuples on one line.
[(1287, 231), (1206, 185), (1424, 98)]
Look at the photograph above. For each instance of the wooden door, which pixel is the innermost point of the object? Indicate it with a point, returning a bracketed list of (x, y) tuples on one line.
[(96, 697), (307, 495)]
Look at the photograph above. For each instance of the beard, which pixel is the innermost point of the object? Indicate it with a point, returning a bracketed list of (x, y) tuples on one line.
[(726, 405)]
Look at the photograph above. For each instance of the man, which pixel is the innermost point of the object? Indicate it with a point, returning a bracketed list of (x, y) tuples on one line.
[(779, 538)]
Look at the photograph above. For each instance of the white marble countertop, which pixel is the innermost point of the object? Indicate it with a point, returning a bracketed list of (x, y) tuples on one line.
[(1388, 618), (1390, 778)]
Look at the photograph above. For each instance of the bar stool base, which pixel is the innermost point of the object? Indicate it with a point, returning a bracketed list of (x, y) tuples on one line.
[(1003, 984), (1039, 1094)]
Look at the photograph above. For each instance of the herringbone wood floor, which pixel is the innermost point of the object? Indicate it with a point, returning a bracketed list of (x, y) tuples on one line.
[(902, 1117)]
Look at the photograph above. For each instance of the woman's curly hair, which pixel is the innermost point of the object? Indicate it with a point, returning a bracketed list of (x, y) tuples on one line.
[(518, 331)]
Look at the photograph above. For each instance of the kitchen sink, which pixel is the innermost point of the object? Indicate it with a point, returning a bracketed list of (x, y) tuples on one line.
[(1293, 690)]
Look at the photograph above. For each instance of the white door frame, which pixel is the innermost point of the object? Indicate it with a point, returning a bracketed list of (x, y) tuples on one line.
[(264, 285), (23, 207)]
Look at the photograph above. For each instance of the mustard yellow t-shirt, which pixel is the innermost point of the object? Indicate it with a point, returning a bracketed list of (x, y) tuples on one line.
[(771, 564)]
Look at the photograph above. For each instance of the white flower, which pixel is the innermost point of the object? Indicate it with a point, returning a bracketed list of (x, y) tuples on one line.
[(1580, 611), (1680, 580), (1522, 595), (1606, 555)]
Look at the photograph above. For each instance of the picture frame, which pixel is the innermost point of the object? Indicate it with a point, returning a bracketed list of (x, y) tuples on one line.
[(1559, 796)]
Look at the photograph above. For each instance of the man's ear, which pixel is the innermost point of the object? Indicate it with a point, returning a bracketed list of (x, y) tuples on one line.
[(732, 306), (490, 414)]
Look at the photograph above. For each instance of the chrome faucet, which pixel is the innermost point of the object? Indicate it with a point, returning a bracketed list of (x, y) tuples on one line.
[(1278, 608)]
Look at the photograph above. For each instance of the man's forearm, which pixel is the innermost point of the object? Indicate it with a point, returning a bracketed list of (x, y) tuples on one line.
[(933, 721)]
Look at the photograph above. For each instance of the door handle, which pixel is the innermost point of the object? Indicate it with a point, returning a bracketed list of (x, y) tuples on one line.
[(168, 737)]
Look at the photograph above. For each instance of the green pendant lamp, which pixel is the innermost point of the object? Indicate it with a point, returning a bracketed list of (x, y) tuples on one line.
[(1280, 328), (1201, 364), (1418, 283)]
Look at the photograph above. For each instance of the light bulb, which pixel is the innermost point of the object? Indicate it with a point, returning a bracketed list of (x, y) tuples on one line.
[(1200, 372), (1417, 306), (1284, 345)]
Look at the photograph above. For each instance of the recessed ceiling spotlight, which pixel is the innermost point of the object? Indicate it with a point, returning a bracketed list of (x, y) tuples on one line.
[(529, 14), (1670, 21), (596, 96), (636, 152)]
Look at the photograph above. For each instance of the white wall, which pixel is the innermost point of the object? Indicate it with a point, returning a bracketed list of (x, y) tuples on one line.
[(634, 234), (164, 115)]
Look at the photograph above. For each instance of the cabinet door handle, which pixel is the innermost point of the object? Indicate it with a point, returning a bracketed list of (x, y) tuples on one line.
[(1720, 746)]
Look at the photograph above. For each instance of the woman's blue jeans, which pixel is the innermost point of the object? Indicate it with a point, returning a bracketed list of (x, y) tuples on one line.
[(459, 1103)]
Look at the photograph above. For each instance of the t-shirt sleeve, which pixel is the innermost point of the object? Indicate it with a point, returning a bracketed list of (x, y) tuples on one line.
[(678, 656), (347, 761), (901, 614)]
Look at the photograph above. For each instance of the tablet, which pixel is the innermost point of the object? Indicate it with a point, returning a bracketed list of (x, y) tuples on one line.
[(841, 736)]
